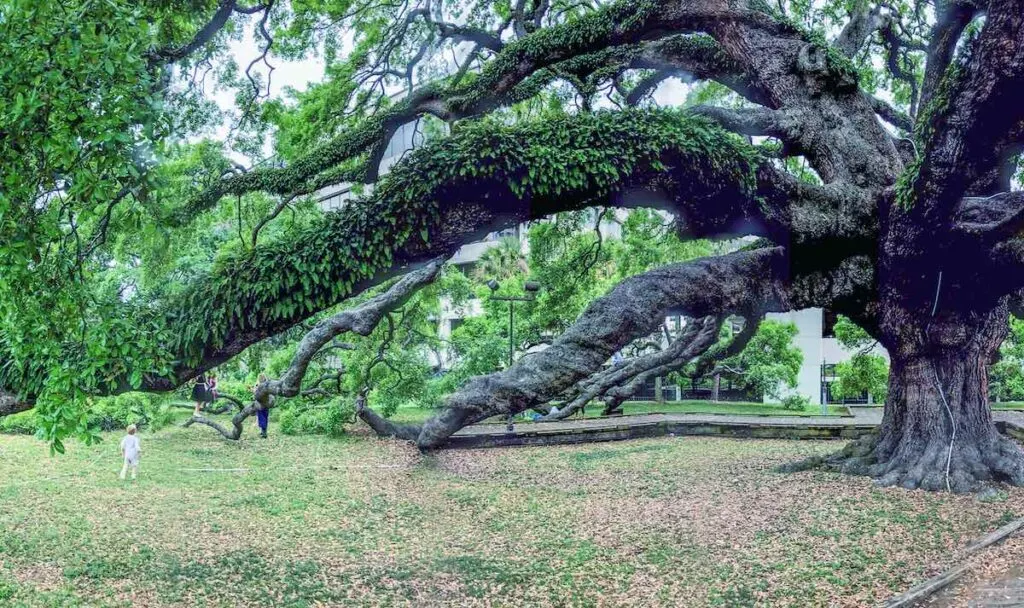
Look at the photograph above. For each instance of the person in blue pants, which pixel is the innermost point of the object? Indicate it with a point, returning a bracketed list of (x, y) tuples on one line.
[(262, 414), (262, 418)]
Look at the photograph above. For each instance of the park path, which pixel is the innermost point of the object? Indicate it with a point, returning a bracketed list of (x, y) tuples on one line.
[(860, 415), (1001, 591), (861, 420)]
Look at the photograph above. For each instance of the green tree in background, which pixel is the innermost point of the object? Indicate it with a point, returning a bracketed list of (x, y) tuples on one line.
[(865, 371)]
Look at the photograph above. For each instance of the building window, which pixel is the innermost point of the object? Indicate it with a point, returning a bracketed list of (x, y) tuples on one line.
[(828, 323)]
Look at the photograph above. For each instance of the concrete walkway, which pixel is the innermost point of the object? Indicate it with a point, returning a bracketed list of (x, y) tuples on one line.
[(860, 421), (1001, 591)]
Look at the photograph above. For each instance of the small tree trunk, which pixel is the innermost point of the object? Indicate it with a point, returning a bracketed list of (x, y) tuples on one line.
[(613, 405), (937, 431), (658, 398), (715, 388)]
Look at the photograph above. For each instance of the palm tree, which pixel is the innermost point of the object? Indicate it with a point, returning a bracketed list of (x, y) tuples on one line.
[(502, 262)]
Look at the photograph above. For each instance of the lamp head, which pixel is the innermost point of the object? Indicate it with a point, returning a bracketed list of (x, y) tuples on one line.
[(493, 285), (532, 286)]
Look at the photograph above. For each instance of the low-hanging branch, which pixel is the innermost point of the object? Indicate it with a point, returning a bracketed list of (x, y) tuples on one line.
[(696, 338), (621, 34), (710, 286), (714, 181), (360, 320)]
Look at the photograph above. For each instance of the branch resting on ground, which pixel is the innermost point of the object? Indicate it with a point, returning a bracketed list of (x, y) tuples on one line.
[(361, 320)]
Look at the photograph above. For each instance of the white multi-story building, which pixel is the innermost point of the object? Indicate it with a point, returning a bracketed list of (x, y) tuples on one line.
[(821, 351)]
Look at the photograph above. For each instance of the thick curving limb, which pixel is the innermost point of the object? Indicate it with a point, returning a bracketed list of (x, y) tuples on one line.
[(696, 338), (711, 286)]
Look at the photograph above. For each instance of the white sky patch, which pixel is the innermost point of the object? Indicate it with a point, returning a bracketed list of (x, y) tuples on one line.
[(297, 75)]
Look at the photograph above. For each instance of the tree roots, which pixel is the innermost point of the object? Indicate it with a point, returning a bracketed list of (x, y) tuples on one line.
[(971, 465)]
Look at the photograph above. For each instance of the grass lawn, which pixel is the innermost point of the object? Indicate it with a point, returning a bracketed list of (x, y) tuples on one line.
[(312, 521), (670, 407)]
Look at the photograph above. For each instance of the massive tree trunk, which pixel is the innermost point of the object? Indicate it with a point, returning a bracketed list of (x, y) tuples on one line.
[(937, 432)]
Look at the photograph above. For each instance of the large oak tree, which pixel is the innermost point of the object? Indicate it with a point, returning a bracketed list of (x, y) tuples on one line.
[(883, 193)]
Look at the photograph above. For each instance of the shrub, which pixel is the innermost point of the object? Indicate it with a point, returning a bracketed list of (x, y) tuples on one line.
[(300, 417), (19, 424), (796, 402), (141, 409)]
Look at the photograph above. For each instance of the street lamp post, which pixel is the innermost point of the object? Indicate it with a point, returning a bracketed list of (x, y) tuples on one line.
[(531, 289)]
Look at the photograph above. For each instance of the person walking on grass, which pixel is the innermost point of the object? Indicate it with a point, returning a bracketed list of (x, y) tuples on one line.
[(200, 393), (131, 451), (262, 414)]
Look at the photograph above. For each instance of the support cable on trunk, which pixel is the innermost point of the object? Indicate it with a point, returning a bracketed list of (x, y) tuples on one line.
[(942, 395)]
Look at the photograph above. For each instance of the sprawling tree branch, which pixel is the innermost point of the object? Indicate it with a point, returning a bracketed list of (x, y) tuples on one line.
[(864, 21), (615, 396), (978, 109), (361, 320), (456, 32), (747, 121), (696, 338), (225, 8), (949, 27), (713, 286), (237, 422), (516, 73), (662, 159), (706, 365), (891, 114)]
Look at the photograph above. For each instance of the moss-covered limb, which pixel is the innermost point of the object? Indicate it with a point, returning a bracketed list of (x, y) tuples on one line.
[(974, 106), (451, 191), (517, 73)]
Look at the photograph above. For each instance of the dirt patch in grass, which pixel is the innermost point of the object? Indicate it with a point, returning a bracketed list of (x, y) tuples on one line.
[(313, 521)]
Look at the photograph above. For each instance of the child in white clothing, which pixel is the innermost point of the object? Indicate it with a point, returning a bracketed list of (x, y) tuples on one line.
[(131, 450)]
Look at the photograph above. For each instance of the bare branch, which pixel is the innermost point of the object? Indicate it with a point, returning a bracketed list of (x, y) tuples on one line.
[(220, 18), (382, 426), (746, 121), (235, 432), (891, 114), (863, 22), (712, 286), (697, 337), (458, 33), (360, 320)]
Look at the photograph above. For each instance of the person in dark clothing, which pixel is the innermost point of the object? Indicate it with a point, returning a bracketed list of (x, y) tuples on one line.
[(262, 414), (200, 393)]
